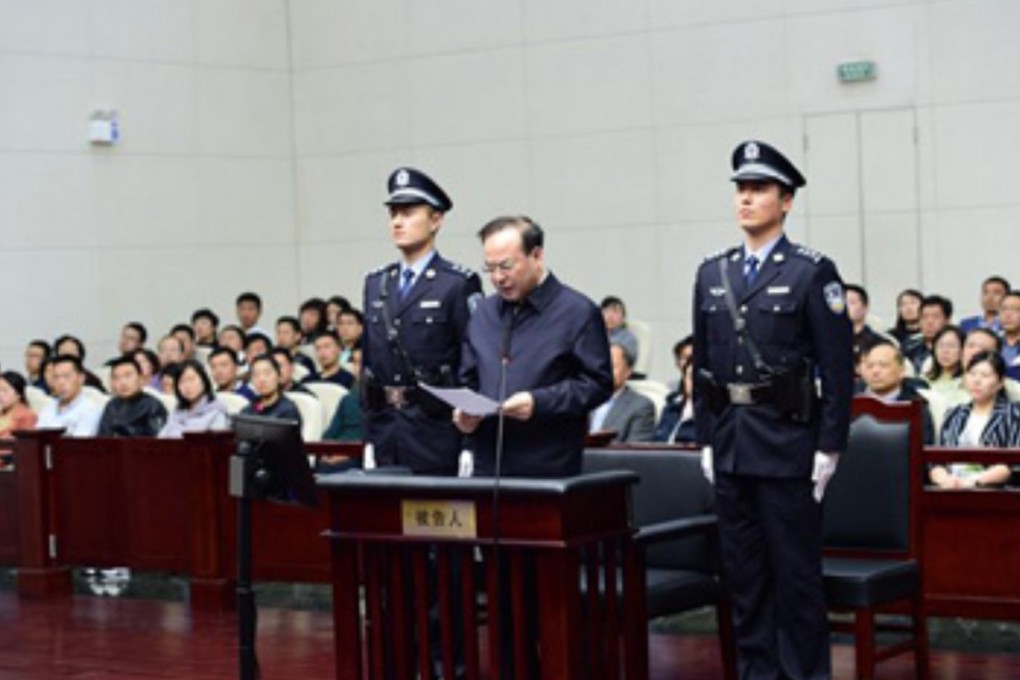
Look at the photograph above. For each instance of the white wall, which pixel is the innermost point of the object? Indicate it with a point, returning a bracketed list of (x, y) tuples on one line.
[(262, 132), (194, 205)]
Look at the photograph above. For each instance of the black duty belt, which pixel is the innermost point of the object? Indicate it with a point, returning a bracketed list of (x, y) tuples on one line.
[(746, 394)]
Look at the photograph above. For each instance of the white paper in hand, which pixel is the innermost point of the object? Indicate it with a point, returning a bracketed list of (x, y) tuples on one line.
[(468, 401)]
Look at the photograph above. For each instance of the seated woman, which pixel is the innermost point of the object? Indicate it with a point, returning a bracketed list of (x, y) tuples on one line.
[(14, 411), (269, 402), (946, 372), (989, 420), (197, 407)]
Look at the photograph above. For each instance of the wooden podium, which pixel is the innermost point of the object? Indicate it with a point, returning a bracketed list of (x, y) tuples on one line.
[(393, 535)]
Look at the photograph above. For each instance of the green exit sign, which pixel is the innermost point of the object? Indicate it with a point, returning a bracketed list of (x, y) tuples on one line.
[(856, 71)]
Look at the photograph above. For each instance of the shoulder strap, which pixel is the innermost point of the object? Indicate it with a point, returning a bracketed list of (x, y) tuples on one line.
[(740, 324), (392, 336)]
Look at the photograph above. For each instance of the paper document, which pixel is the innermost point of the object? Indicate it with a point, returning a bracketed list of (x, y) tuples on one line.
[(468, 401)]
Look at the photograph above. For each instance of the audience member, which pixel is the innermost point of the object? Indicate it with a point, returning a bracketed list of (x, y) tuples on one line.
[(288, 337), (132, 336), (256, 344), (312, 316), (883, 369), (205, 322), (168, 378), (197, 407), (131, 412), (614, 313), (629, 414), (186, 334), (285, 361), (37, 352), (993, 289), (1009, 320), (676, 424), (908, 315), (335, 305), (936, 313), (248, 307), (232, 337), (148, 364), (345, 424), (170, 350), (327, 351), (225, 373), (69, 345), (857, 307), (350, 325), (988, 420), (14, 411), (71, 409), (47, 371), (946, 368), (270, 401)]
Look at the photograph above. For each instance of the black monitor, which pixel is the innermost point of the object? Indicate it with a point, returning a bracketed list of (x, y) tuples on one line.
[(281, 471)]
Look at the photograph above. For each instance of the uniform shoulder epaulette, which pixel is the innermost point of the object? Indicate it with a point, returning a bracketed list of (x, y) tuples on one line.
[(725, 252), (809, 254), (378, 270), (460, 269)]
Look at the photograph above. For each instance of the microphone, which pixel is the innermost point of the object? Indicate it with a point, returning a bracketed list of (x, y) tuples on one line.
[(504, 360)]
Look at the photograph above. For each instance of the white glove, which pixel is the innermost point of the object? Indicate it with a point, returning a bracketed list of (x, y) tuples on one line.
[(707, 467), (825, 468), (466, 464), (368, 457)]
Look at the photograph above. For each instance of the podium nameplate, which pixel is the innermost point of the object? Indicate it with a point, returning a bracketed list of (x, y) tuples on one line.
[(439, 519)]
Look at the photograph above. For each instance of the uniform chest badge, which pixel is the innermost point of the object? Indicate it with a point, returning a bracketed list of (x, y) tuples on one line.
[(429, 304), (777, 290), (430, 273), (834, 297), (717, 291)]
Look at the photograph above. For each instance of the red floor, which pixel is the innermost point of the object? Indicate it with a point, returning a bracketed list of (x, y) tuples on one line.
[(89, 638)]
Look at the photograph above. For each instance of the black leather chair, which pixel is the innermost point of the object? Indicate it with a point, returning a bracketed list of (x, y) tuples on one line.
[(872, 536), (674, 515)]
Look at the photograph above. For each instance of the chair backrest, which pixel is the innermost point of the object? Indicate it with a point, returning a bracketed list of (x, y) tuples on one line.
[(105, 375), (871, 501), (643, 333), (95, 395), (234, 403), (311, 415), (672, 487), (300, 372), (202, 353), (654, 390), (36, 398), (329, 395), (308, 349)]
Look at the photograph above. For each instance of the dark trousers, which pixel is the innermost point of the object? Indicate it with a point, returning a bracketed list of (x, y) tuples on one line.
[(771, 539)]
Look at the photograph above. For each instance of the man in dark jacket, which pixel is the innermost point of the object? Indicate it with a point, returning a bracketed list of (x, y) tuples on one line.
[(131, 412)]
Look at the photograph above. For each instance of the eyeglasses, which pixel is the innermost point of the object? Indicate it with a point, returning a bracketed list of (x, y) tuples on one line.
[(503, 266)]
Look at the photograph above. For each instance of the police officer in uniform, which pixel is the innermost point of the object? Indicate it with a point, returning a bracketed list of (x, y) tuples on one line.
[(416, 313), (773, 361)]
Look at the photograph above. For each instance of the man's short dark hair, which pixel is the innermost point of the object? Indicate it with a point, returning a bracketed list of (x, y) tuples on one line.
[(73, 340), (290, 321), (883, 342), (861, 293), (281, 352), (139, 328), (531, 232), (316, 303), (990, 333), (329, 333), (627, 356), (151, 356), (939, 301), (251, 338), (183, 328), (682, 344), (223, 351), (1011, 294), (205, 313), (999, 280), (613, 301), (356, 313), (171, 336), (340, 301), (68, 359), (268, 359), (124, 360), (249, 296), (43, 345)]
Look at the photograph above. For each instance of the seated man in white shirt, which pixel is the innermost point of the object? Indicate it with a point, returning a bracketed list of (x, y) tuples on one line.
[(883, 369), (629, 414), (71, 409)]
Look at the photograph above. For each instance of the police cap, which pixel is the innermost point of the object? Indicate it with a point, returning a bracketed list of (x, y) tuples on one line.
[(757, 161), (408, 186)]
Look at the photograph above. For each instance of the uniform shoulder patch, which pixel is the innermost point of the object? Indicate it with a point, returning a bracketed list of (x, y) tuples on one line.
[(835, 298), (809, 254), (460, 269), (719, 253), (378, 270)]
